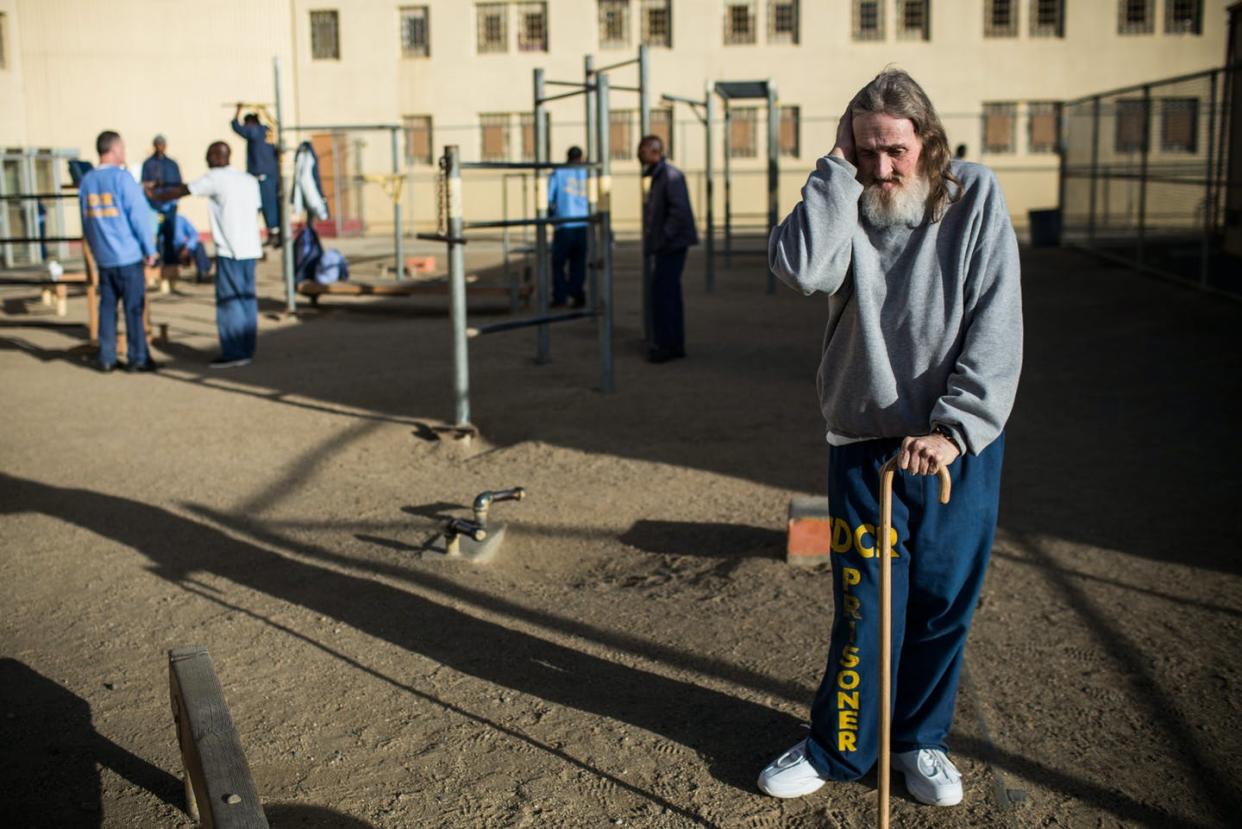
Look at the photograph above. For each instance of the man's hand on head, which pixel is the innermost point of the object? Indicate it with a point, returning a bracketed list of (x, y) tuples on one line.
[(926, 454), (845, 138)]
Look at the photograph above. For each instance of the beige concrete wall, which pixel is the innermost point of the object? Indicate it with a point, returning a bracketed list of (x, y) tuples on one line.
[(78, 66)]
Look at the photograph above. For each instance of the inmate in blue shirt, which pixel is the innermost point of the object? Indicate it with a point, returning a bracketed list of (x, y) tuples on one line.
[(260, 155), (567, 195), (116, 220), (185, 235), (164, 172)]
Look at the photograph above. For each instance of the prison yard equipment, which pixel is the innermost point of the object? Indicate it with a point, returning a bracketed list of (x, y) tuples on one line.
[(730, 91), (219, 789), (886, 620), (452, 229)]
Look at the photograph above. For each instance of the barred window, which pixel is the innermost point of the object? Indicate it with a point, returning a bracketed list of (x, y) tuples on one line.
[(868, 20), (1000, 18), (495, 136), (913, 20), (1130, 134), (532, 27), (739, 22), (493, 23), (415, 36), (1047, 18), (662, 125), (998, 127), (1179, 122), (418, 143), (743, 132), (790, 131), (614, 24), (325, 36), (782, 21), (1135, 17), (1183, 17), (657, 22), (621, 134), (1043, 126)]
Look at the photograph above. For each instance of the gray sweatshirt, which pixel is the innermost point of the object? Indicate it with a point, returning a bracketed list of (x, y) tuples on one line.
[(924, 323)]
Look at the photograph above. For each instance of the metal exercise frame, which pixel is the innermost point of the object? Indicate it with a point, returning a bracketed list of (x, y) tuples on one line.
[(704, 110), (742, 90), (394, 132), (453, 235)]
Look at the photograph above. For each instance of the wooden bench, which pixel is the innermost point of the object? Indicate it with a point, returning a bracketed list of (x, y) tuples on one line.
[(219, 789)]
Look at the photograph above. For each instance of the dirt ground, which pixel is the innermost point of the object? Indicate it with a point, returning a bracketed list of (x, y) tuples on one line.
[(640, 649)]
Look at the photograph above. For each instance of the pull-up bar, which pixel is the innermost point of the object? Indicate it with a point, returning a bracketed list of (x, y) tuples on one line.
[(525, 165)]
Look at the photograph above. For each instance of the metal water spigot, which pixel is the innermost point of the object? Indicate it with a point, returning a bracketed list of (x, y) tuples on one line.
[(454, 528), (484, 501)]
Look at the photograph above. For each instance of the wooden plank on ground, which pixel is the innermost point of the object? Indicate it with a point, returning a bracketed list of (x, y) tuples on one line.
[(218, 777)]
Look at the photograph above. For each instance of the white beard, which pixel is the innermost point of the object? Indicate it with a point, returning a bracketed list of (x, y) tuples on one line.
[(904, 205)]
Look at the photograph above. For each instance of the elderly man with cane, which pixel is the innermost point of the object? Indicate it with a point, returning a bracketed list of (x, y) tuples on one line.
[(921, 358)]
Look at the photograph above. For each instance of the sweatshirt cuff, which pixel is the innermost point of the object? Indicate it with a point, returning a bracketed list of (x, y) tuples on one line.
[(955, 434)]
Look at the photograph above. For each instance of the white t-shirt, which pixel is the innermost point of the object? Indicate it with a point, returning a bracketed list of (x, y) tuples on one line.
[(234, 211)]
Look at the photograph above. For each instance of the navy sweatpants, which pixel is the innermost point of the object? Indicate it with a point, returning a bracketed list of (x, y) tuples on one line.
[(668, 326), (940, 554), (569, 247), (237, 308), (128, 284)]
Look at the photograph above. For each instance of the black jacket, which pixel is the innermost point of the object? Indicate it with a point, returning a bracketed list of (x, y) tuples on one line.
[(670, 221)]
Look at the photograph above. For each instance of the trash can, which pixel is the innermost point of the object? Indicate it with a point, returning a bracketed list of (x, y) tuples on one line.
[(1045, 227)]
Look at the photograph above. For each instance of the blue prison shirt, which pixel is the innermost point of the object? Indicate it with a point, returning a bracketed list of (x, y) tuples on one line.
[(185, 235), (164, 172), (567, 195), (116, 220), (260, 155)]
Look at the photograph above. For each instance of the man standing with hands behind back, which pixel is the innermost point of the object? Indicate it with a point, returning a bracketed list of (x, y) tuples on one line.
[(116, 222), (921, 358), (670, 231)]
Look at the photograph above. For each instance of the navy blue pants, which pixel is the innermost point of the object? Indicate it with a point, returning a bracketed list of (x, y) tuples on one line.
[(940, 554), (166, 234), (237, 308), (269, 201), (569, 247), (128, 284), (668, 326)]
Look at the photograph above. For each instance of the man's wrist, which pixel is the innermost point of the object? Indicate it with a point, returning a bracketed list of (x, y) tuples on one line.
[(947, 433)]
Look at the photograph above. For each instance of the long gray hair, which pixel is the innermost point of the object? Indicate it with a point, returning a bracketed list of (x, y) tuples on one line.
[(893, 92)]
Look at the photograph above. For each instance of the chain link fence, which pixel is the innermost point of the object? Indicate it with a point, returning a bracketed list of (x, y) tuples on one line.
[(1146, 178)]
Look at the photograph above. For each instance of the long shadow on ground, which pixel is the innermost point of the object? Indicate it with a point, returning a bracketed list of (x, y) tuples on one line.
[(734, 735)]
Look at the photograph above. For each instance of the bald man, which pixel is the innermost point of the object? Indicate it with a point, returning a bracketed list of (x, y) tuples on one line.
[(234, 208)]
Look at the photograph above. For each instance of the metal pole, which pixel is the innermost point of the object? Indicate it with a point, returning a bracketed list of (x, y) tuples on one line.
[(592, 230), (1095, 169), (1145, 149), (604, 207), (504, 244), (710, 249), (457, 289), (397, 241), (1209, 215), (543, 267), (337, 160), (728, 182), (286, 255), (644, 92), (774, 169)]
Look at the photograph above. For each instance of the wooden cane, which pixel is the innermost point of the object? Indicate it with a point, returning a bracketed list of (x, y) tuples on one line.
[(886, 618)]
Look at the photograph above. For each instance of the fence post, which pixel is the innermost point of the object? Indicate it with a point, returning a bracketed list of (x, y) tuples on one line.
[(592, 153), (286, 244), (774, 167), (397, 241), (457, 287), (710, 249), (1145, 151), (1095, 168), (543, 267), (1209, 196), (728, 185), (603, 309)]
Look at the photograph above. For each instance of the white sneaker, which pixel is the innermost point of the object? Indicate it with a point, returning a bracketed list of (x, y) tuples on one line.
[(930, 776), (791, 774)]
